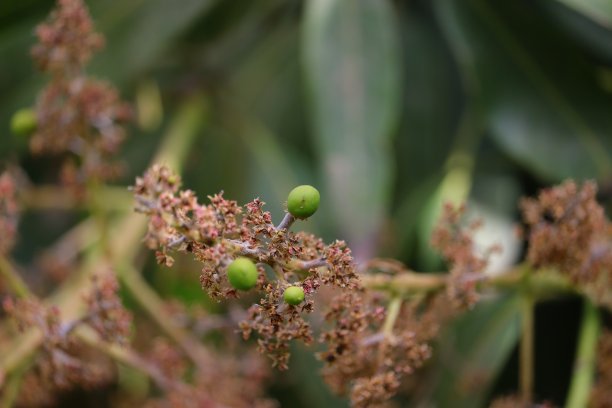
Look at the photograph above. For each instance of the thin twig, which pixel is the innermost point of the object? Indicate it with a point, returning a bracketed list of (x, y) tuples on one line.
[(287, 221), (126, 356), (154, 307)]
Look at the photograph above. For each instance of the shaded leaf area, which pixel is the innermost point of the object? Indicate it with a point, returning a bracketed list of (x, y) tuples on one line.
[(543, 104), (353, 78), (588, 22), (600, 11)]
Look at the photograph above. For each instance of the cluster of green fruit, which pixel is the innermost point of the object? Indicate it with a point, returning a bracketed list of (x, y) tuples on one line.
[(302, 202)]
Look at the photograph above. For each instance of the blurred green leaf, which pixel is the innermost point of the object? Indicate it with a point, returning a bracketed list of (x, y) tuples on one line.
[(599, 11), (138, 31), (471, 354), (351, 57), (591, 33), (431, 106), (543, 104)]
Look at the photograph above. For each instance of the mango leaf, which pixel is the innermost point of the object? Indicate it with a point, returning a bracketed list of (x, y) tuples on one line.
[(471, 353), (351, 62), (599, 11), (591, 29), (138, 31), (542, 102)]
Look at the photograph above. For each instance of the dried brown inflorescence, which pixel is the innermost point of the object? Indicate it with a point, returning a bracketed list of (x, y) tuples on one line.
[(372, 340), (370, 350), (453, 237), (601, 395), (66, 363), (9, 213), (568, 230), (218, 232), (234, 379), (78, 116), (105, 312)]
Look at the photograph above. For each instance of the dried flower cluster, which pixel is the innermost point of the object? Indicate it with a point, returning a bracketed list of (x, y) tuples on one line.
[(453, 237), (232, 380), (218, 232), (8, 213), (568, 230), (66, 362), (105, 312), (77, 115), (601, 395), (372, 345), (369, 349), (362, 359)]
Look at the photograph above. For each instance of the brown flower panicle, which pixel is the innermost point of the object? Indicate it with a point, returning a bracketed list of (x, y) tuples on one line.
[(277, 323), (369, 351), (105, 312), (218, 232), (66, 363), (233, 380), (567, 229), (77, 115), (453, 237), (9, 213), (601, 395)]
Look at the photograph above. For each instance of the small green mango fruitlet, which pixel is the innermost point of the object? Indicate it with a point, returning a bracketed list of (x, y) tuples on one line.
[(303, 201), (23, 122), (242, 273), (294, 295)]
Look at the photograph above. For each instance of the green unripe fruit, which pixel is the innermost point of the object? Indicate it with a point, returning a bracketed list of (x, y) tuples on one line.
[(23, 122), (294, 295), (242, 274), (303, 201)]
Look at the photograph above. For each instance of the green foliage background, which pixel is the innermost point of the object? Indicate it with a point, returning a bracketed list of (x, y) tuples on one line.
[(390, 107)]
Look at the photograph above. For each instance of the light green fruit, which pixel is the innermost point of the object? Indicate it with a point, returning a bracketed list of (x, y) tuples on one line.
[(294, 295), (303, 201), (242, 273), (23, 122)]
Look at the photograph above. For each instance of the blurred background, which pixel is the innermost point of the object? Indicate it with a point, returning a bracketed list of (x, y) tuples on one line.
[(389, 107)]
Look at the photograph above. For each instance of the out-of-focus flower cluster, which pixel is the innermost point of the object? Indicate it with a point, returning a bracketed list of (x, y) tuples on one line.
[(369, 350), (105, 312), (9, 213), (601, 395), (567, 229), (373, 340), (66, 362), (233, 380), (76, 115), (453, 237), (217, 233)]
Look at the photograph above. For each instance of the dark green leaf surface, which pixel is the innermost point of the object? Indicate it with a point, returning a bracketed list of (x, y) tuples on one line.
[(543, 104), (351, 59)]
